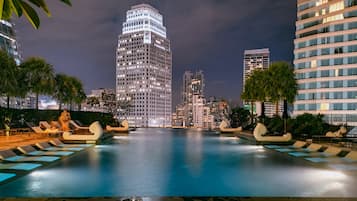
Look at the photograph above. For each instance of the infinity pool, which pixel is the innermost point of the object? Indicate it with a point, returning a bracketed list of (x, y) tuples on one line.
[(165, 162)]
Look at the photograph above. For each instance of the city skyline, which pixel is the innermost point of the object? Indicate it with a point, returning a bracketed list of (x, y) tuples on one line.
[(86, 48)]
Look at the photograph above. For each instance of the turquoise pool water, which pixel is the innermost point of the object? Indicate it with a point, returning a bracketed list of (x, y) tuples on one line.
[(165, 162)]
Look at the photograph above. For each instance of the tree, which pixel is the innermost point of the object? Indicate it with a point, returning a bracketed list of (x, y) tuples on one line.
[(62, 89), (78, 93), (39, 77), (20, 7), (8, 80), (282, 84), (255, 89)]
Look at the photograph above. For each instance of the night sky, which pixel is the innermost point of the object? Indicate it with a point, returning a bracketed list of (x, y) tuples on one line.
[(208, 35)]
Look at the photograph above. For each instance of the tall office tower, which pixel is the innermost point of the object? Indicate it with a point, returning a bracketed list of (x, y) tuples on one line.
[(326, 59), (258, 59), (193, 89), (8, 40), (144, 68)]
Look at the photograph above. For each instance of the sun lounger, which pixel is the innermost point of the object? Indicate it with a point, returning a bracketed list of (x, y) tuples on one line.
[(260, 132), (44, 124), (350, 157), (47, 147), (19, 166), (29, 150), (294, 147), (73, 123), (10, 156), (59, 143), (6, 176), (306, 151), (94, 134)]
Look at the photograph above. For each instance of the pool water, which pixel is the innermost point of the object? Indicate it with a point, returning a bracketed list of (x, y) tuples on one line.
[(167, 162)]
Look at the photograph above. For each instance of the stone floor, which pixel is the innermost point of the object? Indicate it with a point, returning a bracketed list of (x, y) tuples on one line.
[(13, 141)]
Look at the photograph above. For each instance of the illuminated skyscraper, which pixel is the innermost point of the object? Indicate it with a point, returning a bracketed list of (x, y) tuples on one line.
[(326, 59), (8, 40), (144, 68)]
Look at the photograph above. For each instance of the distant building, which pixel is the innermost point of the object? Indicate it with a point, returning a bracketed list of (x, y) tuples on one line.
[(144, 68), (258, 59), (326, 58), (193, 111), (8, 41), (100, 100)]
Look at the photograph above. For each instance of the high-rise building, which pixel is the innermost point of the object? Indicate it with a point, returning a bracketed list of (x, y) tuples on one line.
[(193, 85), (326, 59), (144, 68), (258, 59), (8, 41)]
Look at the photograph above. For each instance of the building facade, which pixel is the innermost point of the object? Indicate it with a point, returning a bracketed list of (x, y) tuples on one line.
[(8, 41), (253, 60), (326, 59), (144, 68)]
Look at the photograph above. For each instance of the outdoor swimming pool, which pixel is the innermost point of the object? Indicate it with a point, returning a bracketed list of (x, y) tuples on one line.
[(166, 162)]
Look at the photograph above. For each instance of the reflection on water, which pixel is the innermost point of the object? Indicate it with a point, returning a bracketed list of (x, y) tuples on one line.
[(164, 162), (194, 152)]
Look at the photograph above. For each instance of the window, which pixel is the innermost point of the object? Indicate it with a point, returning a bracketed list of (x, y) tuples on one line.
[(352, 25), (312, 74), (313, 42), (301, 97), (352, 83), (352, 94), (338, 61), (325, 51), (352, 48), (312, 85), (311, 96), (337, 95), (325, 40), (338, 50), (303, 44), (325, 62), (313, 53), (301, 107), (338, 27), (338, 84), (351, 106), (352, 60), (325, 73), (325, 84), (337, 106), (325, 95), (338, 38), (352, 71), (352, 37), (311, 106)]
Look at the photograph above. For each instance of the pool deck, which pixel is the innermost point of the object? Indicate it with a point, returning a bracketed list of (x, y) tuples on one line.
[(13, 141)]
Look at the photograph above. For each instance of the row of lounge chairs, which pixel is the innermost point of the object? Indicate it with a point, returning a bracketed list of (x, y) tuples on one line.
[(32, 158), (318, 153)]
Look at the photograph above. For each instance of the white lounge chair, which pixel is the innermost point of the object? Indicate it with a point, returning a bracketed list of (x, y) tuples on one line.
[(95, 132), (123, 129), (260, 135), (223, 127)]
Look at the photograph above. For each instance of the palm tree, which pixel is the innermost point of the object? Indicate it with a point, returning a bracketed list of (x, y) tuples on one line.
[(255, 89), (8, 80), (39, 77), (282, 87), (78, 92), (62, 89), (19, 7), (282, 84)]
